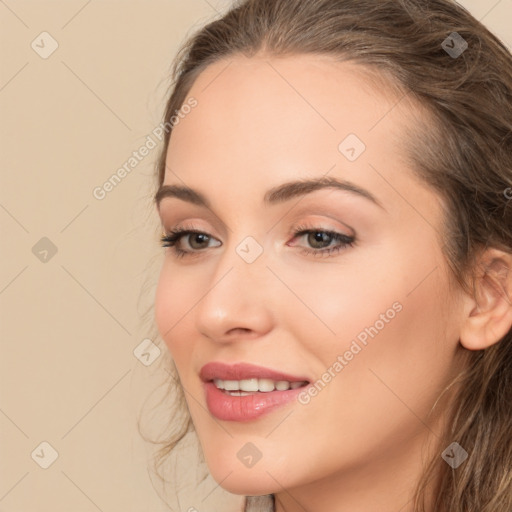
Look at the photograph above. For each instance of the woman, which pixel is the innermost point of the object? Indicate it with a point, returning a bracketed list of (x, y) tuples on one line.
[(336, 290)]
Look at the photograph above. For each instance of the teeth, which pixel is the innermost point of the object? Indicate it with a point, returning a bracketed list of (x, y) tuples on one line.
[(265, 385), (253, 385), (231, 385), (282, 385), (248, 385)]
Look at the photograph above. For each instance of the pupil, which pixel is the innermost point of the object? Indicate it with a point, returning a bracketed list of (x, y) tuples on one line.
[(198, 237), (319, 237)]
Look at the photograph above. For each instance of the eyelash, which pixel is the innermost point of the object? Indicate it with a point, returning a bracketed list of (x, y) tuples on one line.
[(172, 238)]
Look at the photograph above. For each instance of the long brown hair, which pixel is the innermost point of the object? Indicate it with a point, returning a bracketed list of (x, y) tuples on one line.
[(462, 149)]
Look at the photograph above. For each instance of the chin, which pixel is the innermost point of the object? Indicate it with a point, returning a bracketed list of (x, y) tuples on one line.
[(244, 487), (245, 481)]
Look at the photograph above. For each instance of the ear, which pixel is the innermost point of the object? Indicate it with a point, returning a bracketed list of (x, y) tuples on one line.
[(488, 314)]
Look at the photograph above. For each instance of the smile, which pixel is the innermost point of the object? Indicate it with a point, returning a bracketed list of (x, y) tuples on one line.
[(246, 386), (244, 392)]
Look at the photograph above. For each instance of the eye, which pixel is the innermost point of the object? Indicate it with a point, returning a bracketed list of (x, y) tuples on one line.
[(197, 240), (320, 240)]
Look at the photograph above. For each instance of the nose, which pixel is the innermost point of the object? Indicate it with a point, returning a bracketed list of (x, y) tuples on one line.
[(237, 301)]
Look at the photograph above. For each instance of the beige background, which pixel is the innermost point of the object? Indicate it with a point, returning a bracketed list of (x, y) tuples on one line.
[(70, 321)]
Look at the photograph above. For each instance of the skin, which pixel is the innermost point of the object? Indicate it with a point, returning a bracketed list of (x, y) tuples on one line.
[(358, 445)]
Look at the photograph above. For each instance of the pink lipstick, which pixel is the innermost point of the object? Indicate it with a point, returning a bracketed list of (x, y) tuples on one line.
[(244, 392)]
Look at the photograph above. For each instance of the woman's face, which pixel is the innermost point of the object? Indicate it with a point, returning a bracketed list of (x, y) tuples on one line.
[(357, 325)]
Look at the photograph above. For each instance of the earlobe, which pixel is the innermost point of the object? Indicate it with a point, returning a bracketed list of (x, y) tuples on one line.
[(488, 315)]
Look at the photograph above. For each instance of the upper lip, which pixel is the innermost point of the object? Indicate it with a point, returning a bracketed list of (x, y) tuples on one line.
[(242, 371)]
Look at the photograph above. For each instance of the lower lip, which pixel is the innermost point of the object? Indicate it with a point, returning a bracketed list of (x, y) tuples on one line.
[(245, 408)]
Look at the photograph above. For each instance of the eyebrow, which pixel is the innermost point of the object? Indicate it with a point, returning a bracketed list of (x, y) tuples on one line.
[(276, 195)]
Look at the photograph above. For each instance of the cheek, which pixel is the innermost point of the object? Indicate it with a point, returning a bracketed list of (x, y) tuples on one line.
[(393, 322), (171, 299), (334, 305)]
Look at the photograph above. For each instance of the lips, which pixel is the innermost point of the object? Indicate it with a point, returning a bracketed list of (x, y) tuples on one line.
[(242, 371), (233, 394)]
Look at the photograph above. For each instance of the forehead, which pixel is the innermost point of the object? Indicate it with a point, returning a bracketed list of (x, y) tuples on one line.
[(260, 121), (268, 101)]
